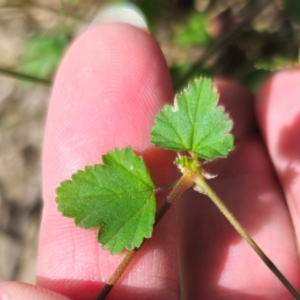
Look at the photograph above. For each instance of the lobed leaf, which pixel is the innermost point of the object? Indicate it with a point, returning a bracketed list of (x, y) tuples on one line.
[(118, 196), (195, 123)]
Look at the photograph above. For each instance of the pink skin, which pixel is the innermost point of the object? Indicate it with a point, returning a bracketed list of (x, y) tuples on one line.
[(111, 83)]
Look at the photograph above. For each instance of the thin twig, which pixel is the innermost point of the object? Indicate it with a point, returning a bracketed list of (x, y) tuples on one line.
[(25, 77), (206, 189), (223, 42), (184, 183)]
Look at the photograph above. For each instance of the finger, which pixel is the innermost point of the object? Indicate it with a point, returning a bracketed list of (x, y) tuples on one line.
[(278, 111), (18, 290), (111, 83), (214, 262)]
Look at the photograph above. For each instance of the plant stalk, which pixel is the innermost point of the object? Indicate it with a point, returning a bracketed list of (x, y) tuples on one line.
[(206, 189), (184, 183)]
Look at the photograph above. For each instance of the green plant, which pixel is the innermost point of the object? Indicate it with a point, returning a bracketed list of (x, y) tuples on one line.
[(119, 195), (193, 31), (292, 7), (42, 54)]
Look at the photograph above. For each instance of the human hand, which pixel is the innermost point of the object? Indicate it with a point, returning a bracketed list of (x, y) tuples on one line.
[(110, 85)]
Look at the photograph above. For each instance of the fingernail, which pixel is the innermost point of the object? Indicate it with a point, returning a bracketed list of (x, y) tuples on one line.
[(123, 13)]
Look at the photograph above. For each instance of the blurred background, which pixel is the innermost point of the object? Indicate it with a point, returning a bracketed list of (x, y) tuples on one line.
[(244, 40)]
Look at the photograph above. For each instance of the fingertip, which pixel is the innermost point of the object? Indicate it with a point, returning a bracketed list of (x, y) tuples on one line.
[(277, 99), (18, 290), (278, 114)]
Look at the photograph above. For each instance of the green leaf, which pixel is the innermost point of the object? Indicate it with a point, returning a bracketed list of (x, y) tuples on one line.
[(42, 54), (195, 123), (193, 32), (118, 196)]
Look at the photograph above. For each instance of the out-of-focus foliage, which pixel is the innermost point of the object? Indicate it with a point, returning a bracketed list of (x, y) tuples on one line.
[(274, 63), (185, 33), (293, 9), (178, 71), (193, 31), (255, 79), (42, 54), (264, 67)]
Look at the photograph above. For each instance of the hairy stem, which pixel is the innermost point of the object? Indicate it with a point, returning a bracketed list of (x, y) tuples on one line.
[(117, 274), (203, 187), (184, 183), (166, 186)]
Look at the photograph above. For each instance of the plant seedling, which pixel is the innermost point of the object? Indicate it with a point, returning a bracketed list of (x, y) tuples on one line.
[(119, 195)]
